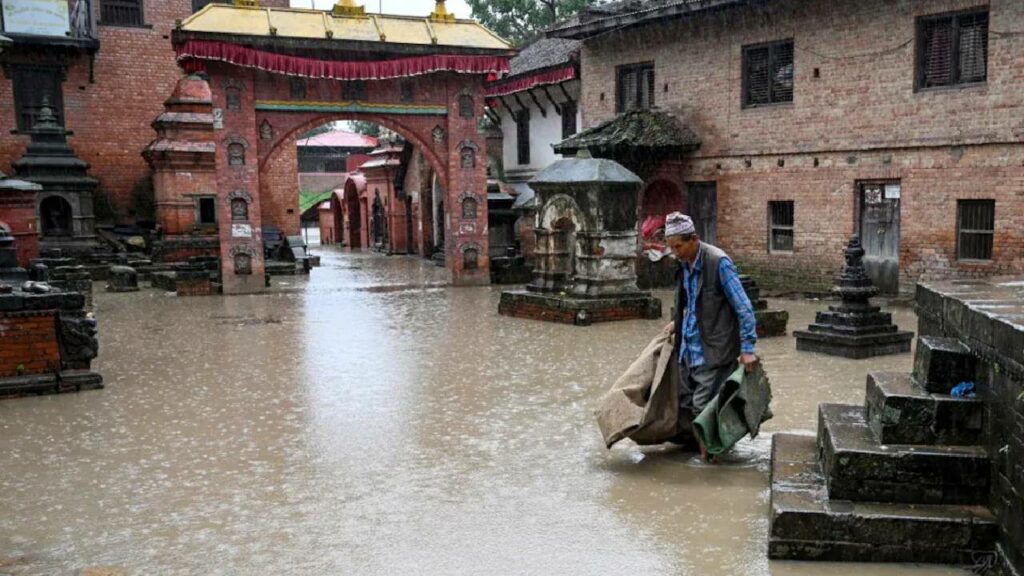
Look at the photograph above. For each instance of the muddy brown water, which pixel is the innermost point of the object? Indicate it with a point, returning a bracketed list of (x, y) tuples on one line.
[(369, 420)]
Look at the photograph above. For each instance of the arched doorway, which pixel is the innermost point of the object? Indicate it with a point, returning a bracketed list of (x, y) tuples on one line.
[(55, 217), (338, 213)]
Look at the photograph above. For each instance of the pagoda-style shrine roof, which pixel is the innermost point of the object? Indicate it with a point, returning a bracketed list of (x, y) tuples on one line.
[(317, 25), (636, 131)]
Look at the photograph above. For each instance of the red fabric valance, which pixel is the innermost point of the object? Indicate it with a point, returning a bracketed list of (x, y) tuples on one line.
[(192, 53), (526, 82)]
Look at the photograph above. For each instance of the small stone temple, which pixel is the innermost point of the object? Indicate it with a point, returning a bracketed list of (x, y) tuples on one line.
[(854, 328), (18, 216), (48, 340), (64, 206), (919, 473), (586, 251)]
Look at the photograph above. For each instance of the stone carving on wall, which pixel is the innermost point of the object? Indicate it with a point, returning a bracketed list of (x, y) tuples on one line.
[(467, 154), (233, 97), (266, 131), (77, 340), (236, 150), (437, 134), (466, 104), (242, 257), (471, 256), (469, 205)]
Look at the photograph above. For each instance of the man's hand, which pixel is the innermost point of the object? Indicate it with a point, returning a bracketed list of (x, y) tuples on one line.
[(670, 329), (748, 361)]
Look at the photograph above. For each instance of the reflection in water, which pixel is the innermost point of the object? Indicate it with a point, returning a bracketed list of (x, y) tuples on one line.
[(369, 420)]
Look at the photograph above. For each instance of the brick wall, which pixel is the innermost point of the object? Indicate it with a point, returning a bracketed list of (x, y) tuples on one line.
[(855, 116), (134, 72), (30, 343)]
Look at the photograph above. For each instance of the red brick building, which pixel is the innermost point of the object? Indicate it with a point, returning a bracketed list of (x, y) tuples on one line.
[(108, 79), (900, 121)]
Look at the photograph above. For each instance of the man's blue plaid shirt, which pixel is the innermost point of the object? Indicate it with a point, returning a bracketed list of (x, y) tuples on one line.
[(692, 354)]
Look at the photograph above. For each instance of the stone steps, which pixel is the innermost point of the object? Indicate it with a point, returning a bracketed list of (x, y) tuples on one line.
[(857, 467), (901, 412), (942, 363), (807, 525)]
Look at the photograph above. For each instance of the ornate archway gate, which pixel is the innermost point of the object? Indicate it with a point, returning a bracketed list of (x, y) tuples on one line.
[(260, 76)]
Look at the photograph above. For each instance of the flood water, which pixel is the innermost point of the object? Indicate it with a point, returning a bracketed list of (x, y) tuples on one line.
[(369, 420)]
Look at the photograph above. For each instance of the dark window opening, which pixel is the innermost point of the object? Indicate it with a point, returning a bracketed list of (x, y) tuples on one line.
[(975, 224), (297, 88), (780, 226), (121, 12), (34, 87), (523, 136), (768, 74), (466, 106), (568, 119), (206, 208), (470, 259), (952, 49), (634, 87)]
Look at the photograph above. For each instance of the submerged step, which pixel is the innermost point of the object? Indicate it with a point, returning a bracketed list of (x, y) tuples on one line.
[(857, 467), (901, 412), (806, 525)]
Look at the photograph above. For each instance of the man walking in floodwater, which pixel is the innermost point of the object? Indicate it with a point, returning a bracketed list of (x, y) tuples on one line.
[(714, 320)]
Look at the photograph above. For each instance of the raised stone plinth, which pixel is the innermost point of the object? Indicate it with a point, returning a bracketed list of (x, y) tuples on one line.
[(769, 322), (578, 311), (854, 328), (122, 279)]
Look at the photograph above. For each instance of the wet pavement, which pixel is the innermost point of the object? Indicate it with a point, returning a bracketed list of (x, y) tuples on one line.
[(370, 420)]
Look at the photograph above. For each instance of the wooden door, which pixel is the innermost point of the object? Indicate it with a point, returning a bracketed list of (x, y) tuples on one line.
[(702, 204), (880, 233)]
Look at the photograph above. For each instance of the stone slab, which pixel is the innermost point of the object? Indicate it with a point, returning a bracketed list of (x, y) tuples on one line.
[(858, 468), (942, 363), (578, 311), (771, 322), (901, 412), (834, 344), (806, 525)]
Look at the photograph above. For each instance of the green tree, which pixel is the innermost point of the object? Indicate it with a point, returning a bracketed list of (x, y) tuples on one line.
[(365, 128), (519, 21)]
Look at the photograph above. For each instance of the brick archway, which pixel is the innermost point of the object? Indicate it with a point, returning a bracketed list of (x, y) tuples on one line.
[(262, 87)]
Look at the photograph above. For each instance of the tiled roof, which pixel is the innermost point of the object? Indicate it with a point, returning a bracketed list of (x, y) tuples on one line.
[(636, 130), (544, 53), (339, 139)]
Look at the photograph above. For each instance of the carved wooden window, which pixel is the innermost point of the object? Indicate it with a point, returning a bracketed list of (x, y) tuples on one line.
[(470, 259), (239, 209), (34, 86), (236, 154), (297, 88), (466, 106), (469, 207), (408, 91), (121, 12), (523, 136), (768, 74), (233, 95), (975, 227), (569, 109), (243, 264), (952, 49), (780, 226), (206, 211), (634, 86), (354, 90)]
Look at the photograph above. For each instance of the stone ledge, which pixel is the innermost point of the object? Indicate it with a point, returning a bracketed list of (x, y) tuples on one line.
[(578, 311)]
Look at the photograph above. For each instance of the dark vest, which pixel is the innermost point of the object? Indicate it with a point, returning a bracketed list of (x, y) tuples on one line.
[(717, 321)]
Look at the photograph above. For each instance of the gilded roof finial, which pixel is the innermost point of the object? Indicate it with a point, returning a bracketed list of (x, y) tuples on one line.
[(349, 8), (440, 13)]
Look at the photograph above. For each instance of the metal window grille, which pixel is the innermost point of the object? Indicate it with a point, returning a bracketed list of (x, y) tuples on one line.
[(952, 49), (121, 12), (780, 226), (568, 118), (635, 87), (523, 136), (768, 74), (976, 220), (35, 86)]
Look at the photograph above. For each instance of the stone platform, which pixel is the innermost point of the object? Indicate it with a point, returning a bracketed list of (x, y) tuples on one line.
[(578, 311)]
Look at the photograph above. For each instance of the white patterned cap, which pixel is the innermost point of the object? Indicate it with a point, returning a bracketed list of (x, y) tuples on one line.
[(679, 224)]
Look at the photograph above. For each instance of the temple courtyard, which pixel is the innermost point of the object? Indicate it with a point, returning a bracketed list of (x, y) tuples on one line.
[(370, 419)]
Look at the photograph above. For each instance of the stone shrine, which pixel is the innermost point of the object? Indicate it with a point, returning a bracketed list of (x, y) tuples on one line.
[(586, 252), (64, 206), (18, 215), (919, 474), (854, 328)]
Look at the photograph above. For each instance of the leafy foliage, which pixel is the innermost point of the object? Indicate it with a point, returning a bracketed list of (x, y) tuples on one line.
[(365, 128), (519, 21)]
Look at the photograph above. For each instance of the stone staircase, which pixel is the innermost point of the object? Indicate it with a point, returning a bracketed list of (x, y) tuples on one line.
[(901, 479)]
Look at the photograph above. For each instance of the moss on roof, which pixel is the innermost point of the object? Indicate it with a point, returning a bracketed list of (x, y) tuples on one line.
[(633, 131)]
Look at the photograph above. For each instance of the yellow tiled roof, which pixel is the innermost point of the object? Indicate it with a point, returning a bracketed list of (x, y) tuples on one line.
[(318, 24)]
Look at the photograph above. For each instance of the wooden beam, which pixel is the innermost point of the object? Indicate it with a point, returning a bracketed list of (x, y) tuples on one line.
[(494, 117), (520, 102), (543, 112), (566, 92), (558, 108), (507, 107)]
